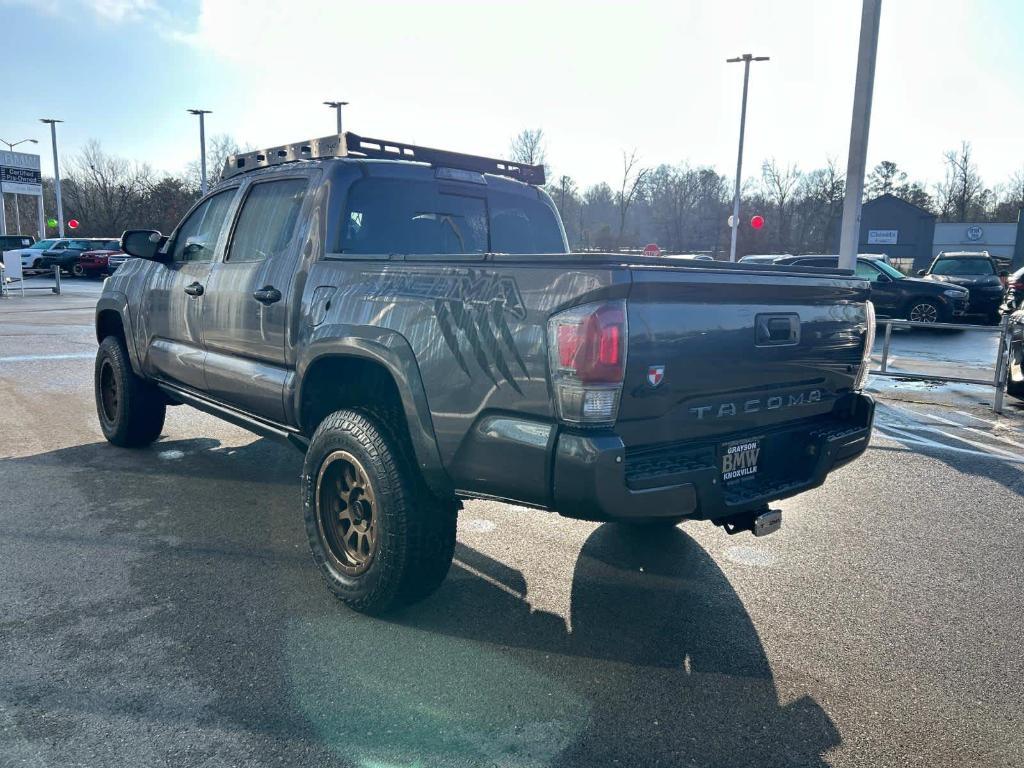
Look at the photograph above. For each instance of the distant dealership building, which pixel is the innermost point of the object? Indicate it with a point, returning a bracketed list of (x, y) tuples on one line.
[(904, 231)]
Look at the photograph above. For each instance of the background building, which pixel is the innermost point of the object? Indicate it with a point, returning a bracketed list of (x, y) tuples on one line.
[(912, 238)]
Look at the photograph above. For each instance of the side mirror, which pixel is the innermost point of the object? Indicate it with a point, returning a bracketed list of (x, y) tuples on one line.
[(141, 243), (922, 272), (883, 278)]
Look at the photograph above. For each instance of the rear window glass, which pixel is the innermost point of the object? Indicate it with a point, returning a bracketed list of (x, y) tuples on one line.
[(963, 267), (397, 216)]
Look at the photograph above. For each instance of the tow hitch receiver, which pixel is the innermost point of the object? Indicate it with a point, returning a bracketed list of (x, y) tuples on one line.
[(759, 523)]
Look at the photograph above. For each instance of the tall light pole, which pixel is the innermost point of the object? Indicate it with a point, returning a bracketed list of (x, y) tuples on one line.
[(56, 172), (746, 58), (856, 164), (17, 213), (202, 147), (336, 105)]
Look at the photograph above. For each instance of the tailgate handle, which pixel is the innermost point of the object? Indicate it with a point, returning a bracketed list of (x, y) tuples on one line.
[(777, 330)]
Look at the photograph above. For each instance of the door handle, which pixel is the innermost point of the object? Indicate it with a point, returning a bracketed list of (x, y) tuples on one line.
[(194, 289), (268, 294)]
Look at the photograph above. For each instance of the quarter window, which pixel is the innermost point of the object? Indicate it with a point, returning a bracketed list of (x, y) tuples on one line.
[(267, 220)]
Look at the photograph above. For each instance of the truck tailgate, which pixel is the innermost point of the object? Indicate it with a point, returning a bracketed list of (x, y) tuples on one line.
[(725, 353)]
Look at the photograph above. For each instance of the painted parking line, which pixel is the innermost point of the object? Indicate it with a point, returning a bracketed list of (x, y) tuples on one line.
[(36, 358), (916, 429)]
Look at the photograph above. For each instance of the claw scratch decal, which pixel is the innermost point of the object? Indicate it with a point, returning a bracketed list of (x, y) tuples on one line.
[(468, 304)]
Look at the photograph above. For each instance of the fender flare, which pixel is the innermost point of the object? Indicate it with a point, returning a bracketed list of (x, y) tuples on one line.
[(117, 302), (393, 352)]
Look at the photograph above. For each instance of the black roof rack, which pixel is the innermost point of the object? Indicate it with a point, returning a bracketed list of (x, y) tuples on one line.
[(353, 145)]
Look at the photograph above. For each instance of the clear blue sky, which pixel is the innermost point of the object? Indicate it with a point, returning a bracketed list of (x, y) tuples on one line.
[(598, 77)]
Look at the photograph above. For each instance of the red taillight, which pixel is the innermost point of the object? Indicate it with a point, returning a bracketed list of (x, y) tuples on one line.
[(1018, 286), (593, 346), (588, 361)]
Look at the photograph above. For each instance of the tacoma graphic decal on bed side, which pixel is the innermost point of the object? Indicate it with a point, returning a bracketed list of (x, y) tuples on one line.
[(469, 304)]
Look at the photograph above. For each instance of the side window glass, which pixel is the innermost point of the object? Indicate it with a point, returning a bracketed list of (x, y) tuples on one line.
[(267, 220), (197, 236), (866, 271)]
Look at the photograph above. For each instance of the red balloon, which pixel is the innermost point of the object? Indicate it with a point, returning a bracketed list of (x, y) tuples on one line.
[(757, 222), (73, 224)]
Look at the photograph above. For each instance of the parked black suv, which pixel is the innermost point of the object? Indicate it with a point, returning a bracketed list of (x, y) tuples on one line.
[(896, 295), (977, 272), (13, 242)]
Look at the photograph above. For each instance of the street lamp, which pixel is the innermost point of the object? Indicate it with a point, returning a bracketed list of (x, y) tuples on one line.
[(12, 144), (202, 147), (746, 58), (336, 105), (17, 212), (56, 172)]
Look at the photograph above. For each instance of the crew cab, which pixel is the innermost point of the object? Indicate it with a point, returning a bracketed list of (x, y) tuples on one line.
[(893, 294), (413, 321)]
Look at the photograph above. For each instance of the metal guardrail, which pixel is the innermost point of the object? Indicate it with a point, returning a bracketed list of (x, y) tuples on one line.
[(998, 380), (18, 284)]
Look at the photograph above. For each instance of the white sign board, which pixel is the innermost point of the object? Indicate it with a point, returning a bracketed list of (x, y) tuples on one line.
[(20, 173), (883, 236), (12, 265)]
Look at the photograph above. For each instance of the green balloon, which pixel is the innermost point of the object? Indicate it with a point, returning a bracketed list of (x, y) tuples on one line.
[(51, 223)]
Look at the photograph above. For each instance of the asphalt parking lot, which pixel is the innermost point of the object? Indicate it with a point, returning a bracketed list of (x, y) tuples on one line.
[(159, 607)]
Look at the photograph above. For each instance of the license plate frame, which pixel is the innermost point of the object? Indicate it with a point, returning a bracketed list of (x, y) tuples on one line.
[(739, 460)]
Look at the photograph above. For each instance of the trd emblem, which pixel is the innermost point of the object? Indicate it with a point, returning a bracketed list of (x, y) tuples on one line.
[(655, 375)]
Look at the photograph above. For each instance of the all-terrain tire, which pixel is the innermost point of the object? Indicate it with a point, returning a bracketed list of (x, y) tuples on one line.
[(379, 537), (130, 409)]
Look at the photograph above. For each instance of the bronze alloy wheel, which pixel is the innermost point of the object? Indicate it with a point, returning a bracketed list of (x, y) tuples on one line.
[(109, 395), (924, 313), (346, 513)]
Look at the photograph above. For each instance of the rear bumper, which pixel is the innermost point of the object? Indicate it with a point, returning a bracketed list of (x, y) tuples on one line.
[(597, 478)]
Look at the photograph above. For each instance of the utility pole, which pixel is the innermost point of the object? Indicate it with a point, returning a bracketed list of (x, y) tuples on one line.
[(56, 172), (746, 58), (202, 147), (336, 105), (857, 162)]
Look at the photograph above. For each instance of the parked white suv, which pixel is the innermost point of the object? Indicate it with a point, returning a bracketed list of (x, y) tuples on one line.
[(30, 256)]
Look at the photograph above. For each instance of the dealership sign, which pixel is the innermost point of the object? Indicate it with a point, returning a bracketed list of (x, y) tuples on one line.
[(19, 173), (883, 236)]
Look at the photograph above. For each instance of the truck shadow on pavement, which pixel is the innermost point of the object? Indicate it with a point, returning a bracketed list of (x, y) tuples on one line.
[(656, 663)]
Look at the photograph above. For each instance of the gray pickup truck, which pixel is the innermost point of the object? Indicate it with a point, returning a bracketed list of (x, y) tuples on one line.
[(412, 319)]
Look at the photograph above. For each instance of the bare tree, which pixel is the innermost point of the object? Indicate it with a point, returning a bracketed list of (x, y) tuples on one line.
[(106, 191), (633, 178), (779, 185), (218, 150), (528, 147), (962, 194)]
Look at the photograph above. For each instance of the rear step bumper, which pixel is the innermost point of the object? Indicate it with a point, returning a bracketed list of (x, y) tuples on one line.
[(597, 478)]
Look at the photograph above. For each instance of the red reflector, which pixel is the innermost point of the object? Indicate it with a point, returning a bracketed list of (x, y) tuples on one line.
[(1018, 286)]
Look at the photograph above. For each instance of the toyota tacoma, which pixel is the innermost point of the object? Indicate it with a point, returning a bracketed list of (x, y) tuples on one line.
[(413, 321)]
